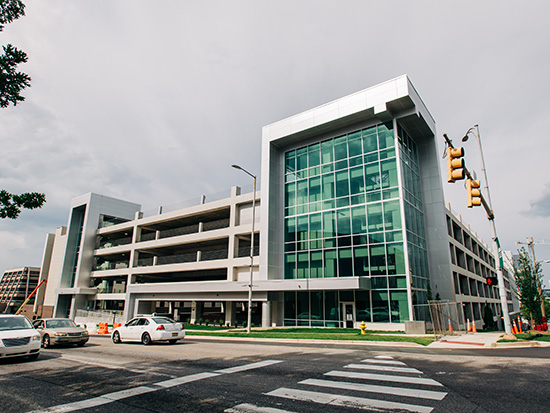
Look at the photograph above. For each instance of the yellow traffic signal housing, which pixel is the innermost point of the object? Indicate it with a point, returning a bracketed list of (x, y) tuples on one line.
[(455, 164), (474, 193)]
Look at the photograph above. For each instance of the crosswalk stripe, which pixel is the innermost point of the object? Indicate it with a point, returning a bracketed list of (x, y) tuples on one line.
[(381, 361), (250, 408), (383, 368), (384, 357), (250, 366), (396, 391), (382, 377), (347, 401)]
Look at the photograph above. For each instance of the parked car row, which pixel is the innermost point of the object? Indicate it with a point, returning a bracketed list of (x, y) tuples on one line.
[(21, 338)]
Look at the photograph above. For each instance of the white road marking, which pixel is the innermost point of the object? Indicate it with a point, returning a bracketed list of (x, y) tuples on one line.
[(347, 401), (123, 394), (248, 366), (384, 357), (185, 379), (250, 408), (379, 361), (383, 368), (382, 377), (396, 391)]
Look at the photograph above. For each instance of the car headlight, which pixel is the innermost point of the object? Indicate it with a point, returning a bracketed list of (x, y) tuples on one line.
[(85, 333), (60, 334), (36, 338)]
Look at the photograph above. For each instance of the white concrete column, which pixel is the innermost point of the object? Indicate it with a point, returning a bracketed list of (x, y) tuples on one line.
[(266, 314)]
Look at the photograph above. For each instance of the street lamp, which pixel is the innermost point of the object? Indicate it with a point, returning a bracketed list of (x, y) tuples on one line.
[(496, 245), (249, 319)]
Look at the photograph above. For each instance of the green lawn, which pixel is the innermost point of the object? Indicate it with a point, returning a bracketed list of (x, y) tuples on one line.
[(312, 334)]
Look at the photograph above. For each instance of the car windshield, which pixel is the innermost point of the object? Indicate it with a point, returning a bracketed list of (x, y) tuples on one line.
[(14, 323), (60, 323), (163, 320)]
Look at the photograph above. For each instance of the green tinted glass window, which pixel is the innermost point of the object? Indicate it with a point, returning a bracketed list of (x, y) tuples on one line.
[(385, 136), (290, 162), (358, 220), (290, 266), (315, 189), (302, 228), (327, 151), (343, 217), (290, 230), (290, 194), (314, 155), (370, 140), (315, 227), (328, 186), (301, 192), (342, 183), (354, 144), (301, 159), (396, 259), (361, 261), (303, 264), (316, 264), (399, 305), (392, 215), (372, 177), (380, 308), (345, 265), (357, 182), (374, 213), (389, 173), (378, 260), (329, 224), (340, 148), (331, 263)]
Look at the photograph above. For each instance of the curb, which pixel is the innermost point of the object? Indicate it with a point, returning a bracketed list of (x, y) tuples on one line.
[(516, 345), (308, 341)]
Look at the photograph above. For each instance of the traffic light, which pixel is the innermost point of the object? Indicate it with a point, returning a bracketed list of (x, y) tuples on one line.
[(492, 281), (455, 164), (474, 193)]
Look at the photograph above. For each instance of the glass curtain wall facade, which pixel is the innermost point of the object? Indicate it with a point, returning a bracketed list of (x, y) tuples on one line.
[(343, 218)]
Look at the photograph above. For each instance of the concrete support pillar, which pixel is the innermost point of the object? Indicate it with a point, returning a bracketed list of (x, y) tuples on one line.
[(196, 311), (230, 313), (266, 314)]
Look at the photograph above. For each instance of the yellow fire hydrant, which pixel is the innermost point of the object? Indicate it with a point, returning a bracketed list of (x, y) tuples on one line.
[(363, 327)]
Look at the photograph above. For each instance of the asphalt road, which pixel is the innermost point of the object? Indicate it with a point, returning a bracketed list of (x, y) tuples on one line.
[(199, 375)]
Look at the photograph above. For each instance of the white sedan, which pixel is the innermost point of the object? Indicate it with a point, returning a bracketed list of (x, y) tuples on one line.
[(147, 329), (18, 338)]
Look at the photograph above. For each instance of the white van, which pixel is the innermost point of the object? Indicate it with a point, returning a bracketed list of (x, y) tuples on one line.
[(18, 338)]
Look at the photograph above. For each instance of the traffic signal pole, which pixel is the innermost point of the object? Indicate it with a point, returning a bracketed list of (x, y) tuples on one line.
[(491, 217)]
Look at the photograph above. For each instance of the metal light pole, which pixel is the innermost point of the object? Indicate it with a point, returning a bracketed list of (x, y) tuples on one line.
[(249, 319), (496, 246)]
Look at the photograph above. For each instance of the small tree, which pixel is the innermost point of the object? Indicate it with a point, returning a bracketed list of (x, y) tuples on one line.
[(528, 275)]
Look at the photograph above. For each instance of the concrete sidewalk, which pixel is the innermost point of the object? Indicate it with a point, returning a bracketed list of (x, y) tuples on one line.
[(483, 340)]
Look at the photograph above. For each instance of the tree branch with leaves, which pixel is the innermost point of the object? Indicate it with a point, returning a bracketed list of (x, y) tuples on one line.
[(12, 83), (528, 275)]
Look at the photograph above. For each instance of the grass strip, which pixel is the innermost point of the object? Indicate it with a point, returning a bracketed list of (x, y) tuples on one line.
[(323, 334)]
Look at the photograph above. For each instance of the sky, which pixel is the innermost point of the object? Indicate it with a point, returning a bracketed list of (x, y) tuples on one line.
[(151, 102)]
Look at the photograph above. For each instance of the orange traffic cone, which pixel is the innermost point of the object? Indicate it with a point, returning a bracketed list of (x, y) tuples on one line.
[(450, 327), (474, 329), (469, 327), (514, 327), (519, 326)]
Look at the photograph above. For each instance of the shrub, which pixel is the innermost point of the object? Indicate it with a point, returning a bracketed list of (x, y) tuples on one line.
[(201, 321), (220, 322)]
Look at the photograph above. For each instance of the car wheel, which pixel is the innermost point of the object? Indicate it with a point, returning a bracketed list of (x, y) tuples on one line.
[(116, 338), (146, 339), (172, 341), (46, 341), (33, 356)]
